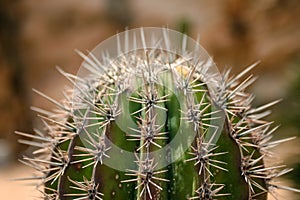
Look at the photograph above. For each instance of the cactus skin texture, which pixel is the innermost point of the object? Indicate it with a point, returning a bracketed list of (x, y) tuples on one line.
[(154, 124)]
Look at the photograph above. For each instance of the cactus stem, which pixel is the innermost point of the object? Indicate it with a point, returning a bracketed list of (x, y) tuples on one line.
[(148, 123)]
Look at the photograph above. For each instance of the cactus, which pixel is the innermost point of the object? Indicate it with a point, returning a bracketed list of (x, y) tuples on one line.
[(150, 117)]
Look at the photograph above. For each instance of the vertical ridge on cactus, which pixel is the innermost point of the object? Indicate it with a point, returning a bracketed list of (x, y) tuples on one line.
[(150, 117)]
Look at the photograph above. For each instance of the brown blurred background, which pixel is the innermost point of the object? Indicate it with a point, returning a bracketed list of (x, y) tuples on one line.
[(37, 35)]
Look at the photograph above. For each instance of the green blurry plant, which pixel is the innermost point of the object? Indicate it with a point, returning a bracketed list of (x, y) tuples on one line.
[(289, 115), (154, 121)]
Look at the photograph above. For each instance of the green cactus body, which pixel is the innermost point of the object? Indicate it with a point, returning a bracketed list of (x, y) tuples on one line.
[(155, 123)]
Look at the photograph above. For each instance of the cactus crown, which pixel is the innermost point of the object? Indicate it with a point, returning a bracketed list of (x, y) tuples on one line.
[(150, 117)]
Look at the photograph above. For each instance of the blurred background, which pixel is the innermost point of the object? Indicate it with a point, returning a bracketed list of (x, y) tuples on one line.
[(37, 35)]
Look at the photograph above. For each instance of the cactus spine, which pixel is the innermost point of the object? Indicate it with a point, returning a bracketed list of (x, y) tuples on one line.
[(154, 119)]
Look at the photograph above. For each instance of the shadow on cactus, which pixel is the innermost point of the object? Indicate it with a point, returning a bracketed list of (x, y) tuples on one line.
[(150, 117)]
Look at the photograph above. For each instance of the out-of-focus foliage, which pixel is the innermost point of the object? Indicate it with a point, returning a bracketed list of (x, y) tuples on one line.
[(289, 114), (14, 101), (290, 107)]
